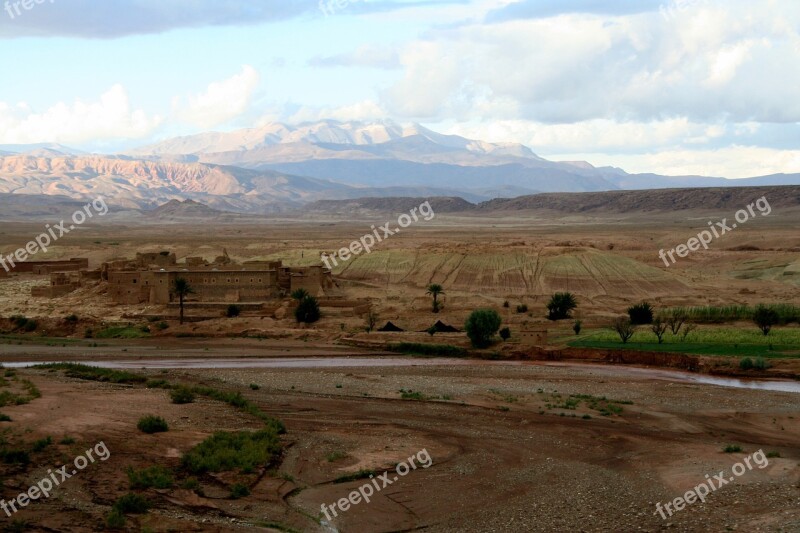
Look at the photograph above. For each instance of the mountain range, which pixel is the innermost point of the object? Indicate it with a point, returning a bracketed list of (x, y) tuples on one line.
[(279, 167)]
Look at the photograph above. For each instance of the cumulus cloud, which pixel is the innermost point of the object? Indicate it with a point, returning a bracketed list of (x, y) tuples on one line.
[(110, 117), (221, 102), (730, 60)]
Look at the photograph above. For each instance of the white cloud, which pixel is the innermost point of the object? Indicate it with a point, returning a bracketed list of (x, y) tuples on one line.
[(221, 102), (729, 162), (110, 117), (731, 59)]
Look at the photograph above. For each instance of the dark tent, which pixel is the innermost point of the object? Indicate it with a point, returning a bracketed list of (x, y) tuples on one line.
[(390, 327), (441, 327)]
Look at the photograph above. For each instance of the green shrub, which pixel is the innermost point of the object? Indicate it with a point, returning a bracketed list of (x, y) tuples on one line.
[(181, 395), (361, 474), (760, 364), (765, 317), (162, 326), (307, 310), (158, 384), (41, 444), (522, 308), (132, 503), (71, 318), (92, 373), (4, 418), (239, 491), (15, 457), (241, 450), (481, 326), (154, 476), (561, 305), (152, 424), (732, 448), (771, 455), (505, 334), (254, 386), (576, 327), (641, 313), (746, 364), (411, 395), (417, 348), (67, 441), (115, 519)]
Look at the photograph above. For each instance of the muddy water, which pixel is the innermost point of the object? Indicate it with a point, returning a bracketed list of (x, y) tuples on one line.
[(375, 362)]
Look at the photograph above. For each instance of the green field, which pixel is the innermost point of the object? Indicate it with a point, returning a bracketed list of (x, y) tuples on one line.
[(781, 342)]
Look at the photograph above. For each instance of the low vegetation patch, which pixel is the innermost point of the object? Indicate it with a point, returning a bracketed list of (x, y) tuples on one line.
[(416, 348), (181, 395), (93, 373), (152, 424), (155, 476), (411, 395), (122, 332), (361, 474), (228, 451)]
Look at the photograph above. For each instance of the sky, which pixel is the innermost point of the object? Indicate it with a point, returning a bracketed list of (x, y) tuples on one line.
[(675, 87)]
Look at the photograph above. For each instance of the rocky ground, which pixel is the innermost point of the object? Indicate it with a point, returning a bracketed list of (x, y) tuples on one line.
[(513, 448)]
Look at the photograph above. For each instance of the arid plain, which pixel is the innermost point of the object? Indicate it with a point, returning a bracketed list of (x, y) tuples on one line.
[(518, 442)]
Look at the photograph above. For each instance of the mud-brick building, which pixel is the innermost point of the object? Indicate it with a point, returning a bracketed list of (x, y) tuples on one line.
[(48, 267), (252, 282)]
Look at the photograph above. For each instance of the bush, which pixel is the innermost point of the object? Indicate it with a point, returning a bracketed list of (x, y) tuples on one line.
[(506, 304), (561, 305), (505, 334), (226, 451), (765, 318), (760, 364), (233, 311), (115, 519), (162, 326), (41, 444), (577, 327), (417, 348), (624, 328), (746, 364), (307, 310), (481, 326), (71, 318), (239, 491), (641, 314), (732, 448), (155, 476), (152, 424), (522, 308), (132, 503), (181, 395)]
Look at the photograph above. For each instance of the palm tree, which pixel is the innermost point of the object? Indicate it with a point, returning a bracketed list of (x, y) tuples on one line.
[(434, 289), (299, 294), (182, 289)]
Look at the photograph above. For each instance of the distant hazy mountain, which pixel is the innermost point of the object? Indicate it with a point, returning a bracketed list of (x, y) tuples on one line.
[(383, 153), (278, 167)]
